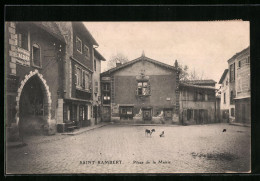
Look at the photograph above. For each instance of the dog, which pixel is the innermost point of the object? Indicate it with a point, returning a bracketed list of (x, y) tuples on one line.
[(224, 130), (147, 131), (162, 134)]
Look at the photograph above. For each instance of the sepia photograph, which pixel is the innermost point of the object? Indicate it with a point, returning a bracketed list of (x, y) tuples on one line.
[(115, 97)]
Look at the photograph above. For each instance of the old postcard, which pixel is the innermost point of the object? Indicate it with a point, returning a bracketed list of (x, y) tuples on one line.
[(127, 97)]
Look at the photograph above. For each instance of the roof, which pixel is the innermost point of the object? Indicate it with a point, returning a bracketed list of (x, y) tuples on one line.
[(200, 82), (83, 28), (196, 86), (223, 76), (239, 53), (52, 28), (98, 55), (143, 57)]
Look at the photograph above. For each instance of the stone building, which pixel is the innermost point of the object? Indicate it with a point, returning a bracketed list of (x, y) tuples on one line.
[(51, 71), (34, 53), (198, 102), (141, 91)]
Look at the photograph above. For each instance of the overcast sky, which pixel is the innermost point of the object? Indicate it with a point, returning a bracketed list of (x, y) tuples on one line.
[(203, 46)]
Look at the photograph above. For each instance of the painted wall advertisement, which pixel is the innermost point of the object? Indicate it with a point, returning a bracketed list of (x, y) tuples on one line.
[(23, 57)]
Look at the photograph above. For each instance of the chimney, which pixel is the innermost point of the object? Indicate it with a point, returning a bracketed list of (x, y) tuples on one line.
[(176, 64), (118, 64)]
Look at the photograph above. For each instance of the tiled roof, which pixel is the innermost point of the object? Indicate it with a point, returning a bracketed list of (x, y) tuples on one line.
[(137, 60), (239, 53), (223, 76), (196, 86), (196, 82), (98, 55), (52, 28)]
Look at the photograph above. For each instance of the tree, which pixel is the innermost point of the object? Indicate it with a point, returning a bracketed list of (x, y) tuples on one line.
[(117, 58), (186, 75)]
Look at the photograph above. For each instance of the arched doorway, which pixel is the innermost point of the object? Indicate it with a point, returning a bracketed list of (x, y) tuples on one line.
[(33, 105)]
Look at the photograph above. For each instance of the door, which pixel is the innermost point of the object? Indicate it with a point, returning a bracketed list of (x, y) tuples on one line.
[(168, 114), (106, 114), (147, 115)]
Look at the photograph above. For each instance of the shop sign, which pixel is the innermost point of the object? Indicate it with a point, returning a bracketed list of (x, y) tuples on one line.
[(23, 57)]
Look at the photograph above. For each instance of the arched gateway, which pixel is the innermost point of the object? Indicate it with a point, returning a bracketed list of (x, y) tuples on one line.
[(33, 102)]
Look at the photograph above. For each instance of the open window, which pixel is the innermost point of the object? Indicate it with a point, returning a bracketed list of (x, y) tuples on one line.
[(143, 88)]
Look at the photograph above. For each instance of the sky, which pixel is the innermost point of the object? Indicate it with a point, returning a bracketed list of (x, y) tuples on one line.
[(203, 46)]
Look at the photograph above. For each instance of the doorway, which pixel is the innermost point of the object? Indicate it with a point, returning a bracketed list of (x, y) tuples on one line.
[(33, 107)]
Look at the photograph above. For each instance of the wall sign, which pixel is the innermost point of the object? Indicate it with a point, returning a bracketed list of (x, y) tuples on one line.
[(23, 57), (106, 78)]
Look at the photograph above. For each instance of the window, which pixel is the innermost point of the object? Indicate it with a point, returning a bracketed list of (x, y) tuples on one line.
[(227, 82), (86, 81), (198, 96), (189, 114), (232, 112), (82, 79), (36, 55), (232, 72), (143, 89), (22, 36), (232, 97), (248, 59), (78, 77), (239, 64), (86, 51), (106, 87), (95, 64), (78, 45), (224, 98), (106, 98), (96, 87)]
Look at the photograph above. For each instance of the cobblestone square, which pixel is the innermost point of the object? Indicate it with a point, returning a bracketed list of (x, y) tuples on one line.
[(126, 149)]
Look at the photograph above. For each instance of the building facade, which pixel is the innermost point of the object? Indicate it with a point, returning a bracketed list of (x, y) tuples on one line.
[(81, 76), (141, 91), (243, 88), (51, 74), (198, 103), (235, 88), (34, 53), (96, 86), (225, 107)]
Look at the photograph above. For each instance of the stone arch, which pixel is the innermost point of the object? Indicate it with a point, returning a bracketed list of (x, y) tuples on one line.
[(46, 92)]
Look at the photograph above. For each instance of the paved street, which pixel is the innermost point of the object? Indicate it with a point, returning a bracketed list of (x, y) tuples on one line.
[(126, 149)]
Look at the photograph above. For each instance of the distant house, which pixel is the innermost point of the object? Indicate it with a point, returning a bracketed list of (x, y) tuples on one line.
[(225, 107), (206, 82), (142, 90), (198, 102)]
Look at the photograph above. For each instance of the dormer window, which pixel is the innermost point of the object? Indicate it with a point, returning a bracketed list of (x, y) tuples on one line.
[(78, 44), (36, 55)]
